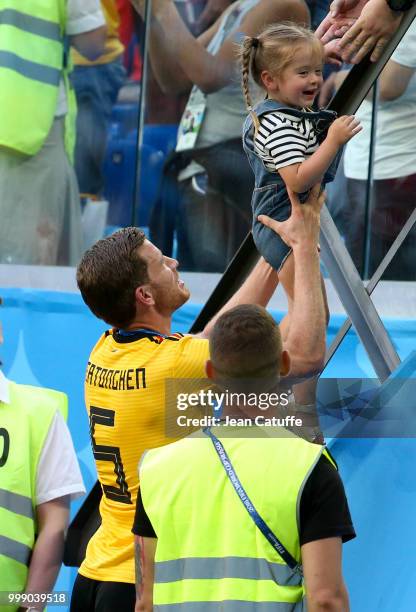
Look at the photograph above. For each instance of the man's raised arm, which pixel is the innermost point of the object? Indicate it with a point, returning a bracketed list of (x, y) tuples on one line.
[(305, 341)]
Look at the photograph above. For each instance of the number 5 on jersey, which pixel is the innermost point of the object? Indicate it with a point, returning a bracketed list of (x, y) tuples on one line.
[(120, 493)]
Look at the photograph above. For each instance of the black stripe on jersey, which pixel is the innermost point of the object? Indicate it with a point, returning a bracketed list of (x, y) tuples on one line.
[(175, 337), (140, 334)]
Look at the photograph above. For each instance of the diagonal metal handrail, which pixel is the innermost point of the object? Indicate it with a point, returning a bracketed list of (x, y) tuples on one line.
[(355, 299), (373, 282)]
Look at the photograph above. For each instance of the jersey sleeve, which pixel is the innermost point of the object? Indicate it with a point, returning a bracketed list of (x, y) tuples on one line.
[(58, 472), (191, 357), (285, 144), (324, 511)]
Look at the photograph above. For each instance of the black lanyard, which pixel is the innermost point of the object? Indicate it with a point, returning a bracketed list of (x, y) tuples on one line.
[(255, 516)]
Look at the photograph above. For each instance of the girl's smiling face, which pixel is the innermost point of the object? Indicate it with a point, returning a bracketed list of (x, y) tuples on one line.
[(300, 82)]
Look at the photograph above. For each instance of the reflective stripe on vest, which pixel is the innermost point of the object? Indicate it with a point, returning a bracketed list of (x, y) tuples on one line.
[(209, 549), (19, 504), (230, 606), (215, 568), (15, 550), (27, 420), (34, 25), (31, 68)]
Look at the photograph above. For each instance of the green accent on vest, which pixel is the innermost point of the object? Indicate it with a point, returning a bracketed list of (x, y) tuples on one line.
[(27, 420), (32, 58), (209, 549)]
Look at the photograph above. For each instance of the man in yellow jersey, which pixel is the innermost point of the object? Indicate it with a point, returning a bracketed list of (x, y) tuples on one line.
[(204, 496), (126, 281), (96, 83)]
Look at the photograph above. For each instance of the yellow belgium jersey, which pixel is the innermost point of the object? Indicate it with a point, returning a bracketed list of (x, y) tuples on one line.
[(113, 46), (125, 398)]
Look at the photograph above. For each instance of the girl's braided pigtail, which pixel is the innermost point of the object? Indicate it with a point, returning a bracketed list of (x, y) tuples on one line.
[(250, 45)]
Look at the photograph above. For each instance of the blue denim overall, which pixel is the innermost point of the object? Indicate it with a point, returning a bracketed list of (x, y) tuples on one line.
[(270, 195)]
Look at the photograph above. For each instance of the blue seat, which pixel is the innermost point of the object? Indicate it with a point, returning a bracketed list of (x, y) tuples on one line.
[(120, 170)]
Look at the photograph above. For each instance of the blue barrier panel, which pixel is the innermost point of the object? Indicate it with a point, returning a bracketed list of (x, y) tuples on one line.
[(48, 338)]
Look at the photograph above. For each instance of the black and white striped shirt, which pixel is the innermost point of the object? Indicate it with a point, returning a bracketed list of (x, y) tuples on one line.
[(283, 139)]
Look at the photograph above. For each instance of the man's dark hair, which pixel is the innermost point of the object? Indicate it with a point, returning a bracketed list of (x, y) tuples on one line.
[(109, 273), (246, 343)]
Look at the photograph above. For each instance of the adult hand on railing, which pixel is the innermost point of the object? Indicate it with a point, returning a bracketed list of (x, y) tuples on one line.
[(342, 15), (363, 25), (332, 53), (371, 32)]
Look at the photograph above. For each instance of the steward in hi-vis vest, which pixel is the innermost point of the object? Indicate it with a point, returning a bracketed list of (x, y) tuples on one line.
[(24, 425), (33, 60), (209, 552)]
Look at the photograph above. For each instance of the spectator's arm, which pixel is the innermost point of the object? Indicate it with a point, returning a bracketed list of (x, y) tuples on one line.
[(212, 10), (52, 520), (322, 570), (90, 44), (173, 77), (144, 556), (394, 80), (173, 46)]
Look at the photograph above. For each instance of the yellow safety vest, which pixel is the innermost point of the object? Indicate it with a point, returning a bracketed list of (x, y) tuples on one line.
[(210, 554), (32, 62), (24, 424)]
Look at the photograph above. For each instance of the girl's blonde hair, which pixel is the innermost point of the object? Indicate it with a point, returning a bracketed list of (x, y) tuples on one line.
[(273, 50)]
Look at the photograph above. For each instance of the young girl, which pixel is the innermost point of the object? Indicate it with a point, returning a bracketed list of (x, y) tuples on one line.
[(287, 145)]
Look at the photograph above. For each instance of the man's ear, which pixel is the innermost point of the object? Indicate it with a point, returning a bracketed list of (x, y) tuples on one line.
[(209, 369), (144, 295), (284, 363)]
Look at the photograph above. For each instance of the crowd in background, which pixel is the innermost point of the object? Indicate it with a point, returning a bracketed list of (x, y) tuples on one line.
[(194, 199)]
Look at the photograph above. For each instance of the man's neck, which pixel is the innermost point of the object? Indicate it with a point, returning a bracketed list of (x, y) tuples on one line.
[(156, 322)]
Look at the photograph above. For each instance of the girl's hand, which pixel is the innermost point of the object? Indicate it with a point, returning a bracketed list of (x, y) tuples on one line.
[(343, 129)]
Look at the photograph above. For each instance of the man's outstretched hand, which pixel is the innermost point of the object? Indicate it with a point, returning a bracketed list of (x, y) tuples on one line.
[(302, 227)]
